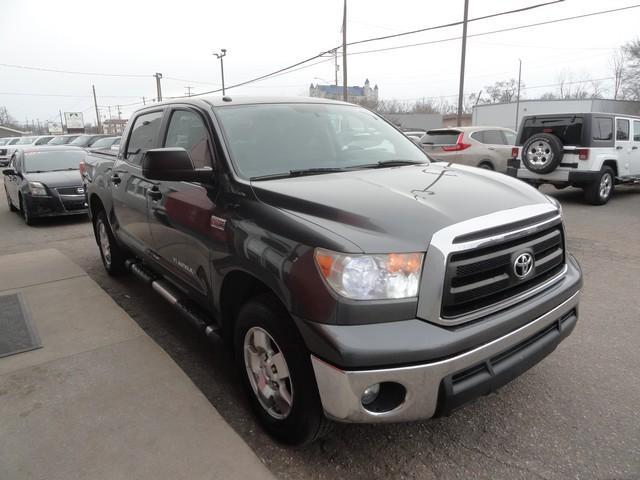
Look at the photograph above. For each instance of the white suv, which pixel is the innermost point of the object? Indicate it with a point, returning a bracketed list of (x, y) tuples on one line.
[(593, 151), (484, 147)]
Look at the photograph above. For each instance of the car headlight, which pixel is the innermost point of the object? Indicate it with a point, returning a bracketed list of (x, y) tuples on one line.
[(371, 277), (37, 189)]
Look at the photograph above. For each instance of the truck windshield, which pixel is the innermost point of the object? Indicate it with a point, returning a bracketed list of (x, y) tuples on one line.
[(274, 139), (48, 161)]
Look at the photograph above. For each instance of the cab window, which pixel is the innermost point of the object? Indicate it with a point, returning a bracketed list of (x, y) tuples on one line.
[(187, 130), (143, 136)]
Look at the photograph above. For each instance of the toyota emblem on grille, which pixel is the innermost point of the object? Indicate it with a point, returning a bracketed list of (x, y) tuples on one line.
[(80, 189), (523, 265)]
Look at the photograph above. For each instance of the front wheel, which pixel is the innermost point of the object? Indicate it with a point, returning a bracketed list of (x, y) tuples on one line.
[(26, 214), (276, 371), (9, 202), (600, 191), (113, 257)]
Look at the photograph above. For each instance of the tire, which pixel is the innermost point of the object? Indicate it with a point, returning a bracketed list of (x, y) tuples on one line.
[(542, 153), (295, 417), (9, 202), (486, 166), (113, 257), (26, 214), (600, 191)]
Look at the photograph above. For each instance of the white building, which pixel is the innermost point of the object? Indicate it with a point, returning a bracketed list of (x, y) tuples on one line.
[(504, 114), (353, 93)]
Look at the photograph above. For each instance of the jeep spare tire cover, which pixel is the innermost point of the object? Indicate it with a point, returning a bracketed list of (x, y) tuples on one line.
[(542, 153)]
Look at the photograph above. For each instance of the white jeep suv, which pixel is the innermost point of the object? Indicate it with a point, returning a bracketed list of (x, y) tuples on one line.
[(593, 151)]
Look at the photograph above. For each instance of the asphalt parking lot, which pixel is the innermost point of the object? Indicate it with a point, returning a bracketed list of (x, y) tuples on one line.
[(575, 415)]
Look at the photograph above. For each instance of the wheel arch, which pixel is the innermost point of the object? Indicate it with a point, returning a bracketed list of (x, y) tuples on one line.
[(613, 164), (237, 287)]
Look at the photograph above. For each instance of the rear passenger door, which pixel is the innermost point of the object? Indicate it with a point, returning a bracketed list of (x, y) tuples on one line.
[(128, 186), (623, 145), (180, 213), (634, 162)]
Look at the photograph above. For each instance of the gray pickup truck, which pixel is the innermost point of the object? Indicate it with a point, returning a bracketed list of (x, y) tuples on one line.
[(354, 279)]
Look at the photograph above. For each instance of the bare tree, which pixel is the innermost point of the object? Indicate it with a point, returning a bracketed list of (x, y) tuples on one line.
[(502, 92), (617, 63), (630, 84)]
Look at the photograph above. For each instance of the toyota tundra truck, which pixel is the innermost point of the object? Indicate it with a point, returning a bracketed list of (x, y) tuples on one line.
[(354, 279)]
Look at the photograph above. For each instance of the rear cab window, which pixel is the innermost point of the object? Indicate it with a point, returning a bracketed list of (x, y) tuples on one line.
[(602, 129), (636, 130), (440, 137), (143, 136)]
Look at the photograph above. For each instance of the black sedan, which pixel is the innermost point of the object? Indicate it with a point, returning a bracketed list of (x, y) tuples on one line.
[(45, 182)]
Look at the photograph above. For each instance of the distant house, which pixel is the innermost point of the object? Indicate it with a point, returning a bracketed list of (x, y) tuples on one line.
[(10, 132), (114, 126), (354, 94)]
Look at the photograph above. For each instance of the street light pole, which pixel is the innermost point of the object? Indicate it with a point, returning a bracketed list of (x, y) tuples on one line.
[(345, 88), (462, 60), (220, 56)]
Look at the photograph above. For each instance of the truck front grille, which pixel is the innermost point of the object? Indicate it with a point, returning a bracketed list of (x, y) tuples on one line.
[(478, 278), (70, 190)]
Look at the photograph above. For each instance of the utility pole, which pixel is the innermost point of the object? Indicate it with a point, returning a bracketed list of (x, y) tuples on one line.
[(518, 97), (95, 103), (335, 60), (119, 113), (39, 127), (144, 102), (188, 88), (220, 56), (462, 60), (61, 122), (158, 86), (345, 95)]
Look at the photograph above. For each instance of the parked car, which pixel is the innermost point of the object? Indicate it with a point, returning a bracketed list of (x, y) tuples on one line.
[(116, 144), (86, 141), (45, 182), (579, 149), (354, 279), (6, 150), (63, 139), (106, 142), (484, 147)]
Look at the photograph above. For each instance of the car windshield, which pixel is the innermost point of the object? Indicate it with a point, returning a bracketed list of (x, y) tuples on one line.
[(275, 139), (103, 143), (61, 140), (4, 141), (82, 140), (47, 161), (25, 141)]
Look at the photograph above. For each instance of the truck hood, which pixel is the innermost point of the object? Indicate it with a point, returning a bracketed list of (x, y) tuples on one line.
[(67, 178), (396, 209)]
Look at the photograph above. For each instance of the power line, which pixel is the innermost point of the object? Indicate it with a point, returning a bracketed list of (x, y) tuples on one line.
[(73, 72), (28, 94), (453, 24), (509, 29)]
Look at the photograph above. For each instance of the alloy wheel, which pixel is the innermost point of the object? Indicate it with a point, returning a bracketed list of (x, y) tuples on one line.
[(268, 373), (606, 183), (105, 245), (540, 153)]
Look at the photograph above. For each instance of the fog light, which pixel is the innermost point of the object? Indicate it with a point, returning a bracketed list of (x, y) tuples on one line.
[(370, 394)]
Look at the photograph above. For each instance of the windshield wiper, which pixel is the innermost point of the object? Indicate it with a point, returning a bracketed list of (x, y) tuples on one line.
[(392, 163), (302, 172)]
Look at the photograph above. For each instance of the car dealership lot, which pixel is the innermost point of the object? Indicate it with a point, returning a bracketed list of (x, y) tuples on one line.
[(575, 415)]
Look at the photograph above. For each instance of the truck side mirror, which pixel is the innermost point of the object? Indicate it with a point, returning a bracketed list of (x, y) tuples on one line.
[(9, 171), (172, 164)]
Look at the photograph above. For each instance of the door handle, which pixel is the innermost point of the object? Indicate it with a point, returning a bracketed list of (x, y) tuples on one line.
[(154, 194), (634, 148), (115, 179), (490, 148), (619, 147)]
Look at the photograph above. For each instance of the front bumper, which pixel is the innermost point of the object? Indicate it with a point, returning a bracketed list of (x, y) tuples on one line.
[(438, 387), (56, 205)]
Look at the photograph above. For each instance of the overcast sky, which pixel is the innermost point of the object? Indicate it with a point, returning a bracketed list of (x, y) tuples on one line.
[(178, 38)]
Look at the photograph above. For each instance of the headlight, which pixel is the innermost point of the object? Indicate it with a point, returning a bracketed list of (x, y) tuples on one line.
[(37, 189), (371, 277)]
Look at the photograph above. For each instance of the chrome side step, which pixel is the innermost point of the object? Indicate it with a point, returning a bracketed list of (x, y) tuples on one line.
[(193, 313)]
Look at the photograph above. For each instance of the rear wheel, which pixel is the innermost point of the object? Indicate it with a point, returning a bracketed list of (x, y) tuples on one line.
[(486, 166), (276, 371), (113, 257), (600, 191)]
